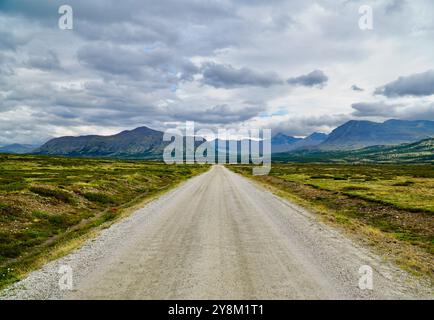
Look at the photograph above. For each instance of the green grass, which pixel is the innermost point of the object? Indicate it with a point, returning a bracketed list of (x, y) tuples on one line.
[(52, 193), (408, 153), (392, 204), (99, 197), (45, 201), (409, 187)]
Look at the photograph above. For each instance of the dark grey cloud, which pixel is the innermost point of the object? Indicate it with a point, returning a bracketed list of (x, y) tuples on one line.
[(395, 6), (128, 32), (10, 40), (425, 112), (43, 10), (418, 112), (223, 114), (368, 109), (226, 76), (387, 110), (112, 59), (420, 84), (356, 88), (50, 61), (304, 126), (139, 21), (312, 79), (154, 63), (6, 66)]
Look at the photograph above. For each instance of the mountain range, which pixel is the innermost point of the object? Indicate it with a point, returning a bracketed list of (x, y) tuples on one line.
[(358, 134), (146, 143)]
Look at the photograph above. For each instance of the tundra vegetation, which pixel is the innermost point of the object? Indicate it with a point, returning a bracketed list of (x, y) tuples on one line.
[(49, 203), (389, 207)]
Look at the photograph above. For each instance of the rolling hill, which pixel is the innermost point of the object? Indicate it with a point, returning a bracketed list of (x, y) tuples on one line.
[(281, 142), (417, 152), (18, 148)]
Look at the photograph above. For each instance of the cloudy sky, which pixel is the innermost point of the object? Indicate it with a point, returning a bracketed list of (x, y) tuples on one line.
[(292, 66)]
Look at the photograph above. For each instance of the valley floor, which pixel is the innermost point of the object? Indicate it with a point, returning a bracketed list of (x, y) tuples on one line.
[(219, 236)]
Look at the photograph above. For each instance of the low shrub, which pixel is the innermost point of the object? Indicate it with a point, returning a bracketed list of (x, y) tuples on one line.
[(99, 197), (53, 193)]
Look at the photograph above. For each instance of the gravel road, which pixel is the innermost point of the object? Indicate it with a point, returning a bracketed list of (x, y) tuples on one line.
[(218, 236)]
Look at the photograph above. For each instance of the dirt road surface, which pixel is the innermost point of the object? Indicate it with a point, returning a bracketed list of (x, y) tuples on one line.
[(218, 236)]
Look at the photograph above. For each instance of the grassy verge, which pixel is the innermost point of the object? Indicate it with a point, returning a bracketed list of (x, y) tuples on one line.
[(49, 205), (388, 207)]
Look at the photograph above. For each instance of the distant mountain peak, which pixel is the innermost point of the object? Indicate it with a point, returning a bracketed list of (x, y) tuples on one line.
[(280, 134), (282, 142), (17, 148), (317, 136), (356, 134), (284, 137), (143, 129), (139, 130), (392, 121)]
